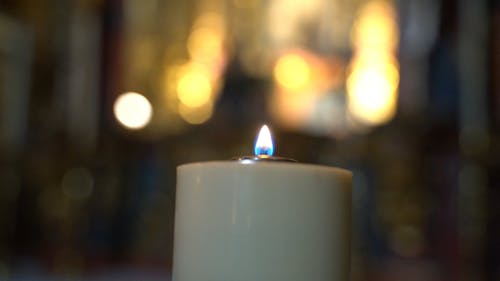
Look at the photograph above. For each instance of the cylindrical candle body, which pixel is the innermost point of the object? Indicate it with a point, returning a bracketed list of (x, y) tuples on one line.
[(262, 222)]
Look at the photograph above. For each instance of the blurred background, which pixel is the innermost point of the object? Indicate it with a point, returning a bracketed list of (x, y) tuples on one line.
[(100, 100)]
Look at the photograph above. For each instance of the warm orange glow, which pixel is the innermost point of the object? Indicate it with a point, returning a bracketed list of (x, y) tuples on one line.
[(292, 110), (372, 85), (196, 81), (196, 116), (206, 41), (194, 88), (205, 44), (132, 110), (285, 19), (211, 19), (292, 72), (372, 91), (376, 27), (301, 105)]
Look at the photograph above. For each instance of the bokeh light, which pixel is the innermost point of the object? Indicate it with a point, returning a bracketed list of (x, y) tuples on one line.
[(133, 110), (292, 110), (307, 96), (292, 71), (372, 91), (196, 116), (284, 18), (212, 19), (192, 84), (372, 84), (205, 44), (194, 88), (376, 27)]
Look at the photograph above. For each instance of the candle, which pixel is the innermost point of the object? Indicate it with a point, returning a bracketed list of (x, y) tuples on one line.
[(262, 218)]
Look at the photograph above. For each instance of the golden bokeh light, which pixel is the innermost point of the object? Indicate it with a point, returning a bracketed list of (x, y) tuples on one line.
[(205, 44), (372, 92), (206, 41), (310, 79), (384, 63), (285, 19), (292, 72), (292, 110), (196, 116), (194, 88), (191, 85), (213, 20), (132, 110), (376, 27), (372, 85)]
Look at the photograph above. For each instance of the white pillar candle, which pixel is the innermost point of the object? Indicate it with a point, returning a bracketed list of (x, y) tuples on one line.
[(262, 221)]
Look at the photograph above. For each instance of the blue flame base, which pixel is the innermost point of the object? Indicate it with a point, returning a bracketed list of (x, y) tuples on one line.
[(267, 151)]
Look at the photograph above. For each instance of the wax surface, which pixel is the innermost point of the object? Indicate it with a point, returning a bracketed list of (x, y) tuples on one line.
[(262, 222)]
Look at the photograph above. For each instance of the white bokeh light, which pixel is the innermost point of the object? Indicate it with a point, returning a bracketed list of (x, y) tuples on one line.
[(132, 110)]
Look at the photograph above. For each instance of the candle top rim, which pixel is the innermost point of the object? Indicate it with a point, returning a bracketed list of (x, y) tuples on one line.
[(265, 158), (292, 165)]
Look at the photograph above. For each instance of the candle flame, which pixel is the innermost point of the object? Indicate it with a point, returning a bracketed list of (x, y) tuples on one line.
[(264, 143)]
